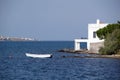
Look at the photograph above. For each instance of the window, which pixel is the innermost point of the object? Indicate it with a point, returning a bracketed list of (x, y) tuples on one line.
[(94, 34)]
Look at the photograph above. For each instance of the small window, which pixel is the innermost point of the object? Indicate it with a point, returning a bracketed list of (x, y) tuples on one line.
[(94, 34)]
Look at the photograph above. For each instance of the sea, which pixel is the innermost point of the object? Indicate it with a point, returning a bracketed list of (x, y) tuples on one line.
[(15, 65)]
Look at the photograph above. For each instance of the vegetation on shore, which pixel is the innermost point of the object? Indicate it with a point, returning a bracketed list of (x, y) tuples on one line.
[(111, 35)]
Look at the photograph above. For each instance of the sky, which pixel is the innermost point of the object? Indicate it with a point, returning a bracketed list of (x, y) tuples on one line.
[(54, 19)]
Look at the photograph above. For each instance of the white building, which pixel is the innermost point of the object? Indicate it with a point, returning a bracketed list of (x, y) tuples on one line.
[(92, 37)]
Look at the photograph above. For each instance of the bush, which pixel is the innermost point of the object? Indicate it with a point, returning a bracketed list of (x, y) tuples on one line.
[(112, 43)]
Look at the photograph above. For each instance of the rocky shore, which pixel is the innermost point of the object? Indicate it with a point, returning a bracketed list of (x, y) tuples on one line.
[(91, 55), (75, 51)]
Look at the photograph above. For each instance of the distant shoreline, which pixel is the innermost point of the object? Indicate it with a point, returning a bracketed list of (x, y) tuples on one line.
[(17, 41), (3, 38)]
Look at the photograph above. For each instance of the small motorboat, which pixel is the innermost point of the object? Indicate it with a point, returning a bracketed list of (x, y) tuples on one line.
[(38, 55)]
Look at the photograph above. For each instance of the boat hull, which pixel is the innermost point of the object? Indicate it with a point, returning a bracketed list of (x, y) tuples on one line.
[(39, 55)]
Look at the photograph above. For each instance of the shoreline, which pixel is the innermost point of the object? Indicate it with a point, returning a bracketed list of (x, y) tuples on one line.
[(92, 55), (103, 56), (76, 51)]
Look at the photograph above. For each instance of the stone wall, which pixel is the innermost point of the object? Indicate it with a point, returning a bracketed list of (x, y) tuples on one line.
[(94, 47)]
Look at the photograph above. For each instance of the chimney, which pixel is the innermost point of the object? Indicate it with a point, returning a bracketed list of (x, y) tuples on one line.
[(98, 21)]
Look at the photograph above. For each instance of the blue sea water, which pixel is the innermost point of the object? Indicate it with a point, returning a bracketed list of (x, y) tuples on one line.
[(14, 65)]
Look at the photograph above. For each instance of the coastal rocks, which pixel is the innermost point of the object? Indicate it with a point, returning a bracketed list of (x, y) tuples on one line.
[(73, 51), (94, 56), (91, 55)]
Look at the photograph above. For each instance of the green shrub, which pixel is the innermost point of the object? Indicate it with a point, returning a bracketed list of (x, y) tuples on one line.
[(111, 43)]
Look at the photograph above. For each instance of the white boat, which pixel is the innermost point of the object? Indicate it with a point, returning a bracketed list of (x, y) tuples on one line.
[(38, 55)]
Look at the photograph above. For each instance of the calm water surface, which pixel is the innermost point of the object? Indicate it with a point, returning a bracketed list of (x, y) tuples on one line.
[(14, 65)]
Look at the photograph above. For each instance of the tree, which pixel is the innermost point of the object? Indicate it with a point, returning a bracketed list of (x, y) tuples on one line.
[(102, 33), (111, 35), (111, 43), (118, 22)]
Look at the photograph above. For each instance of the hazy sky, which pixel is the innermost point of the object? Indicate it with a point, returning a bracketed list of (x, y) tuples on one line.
[(54, 19)]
